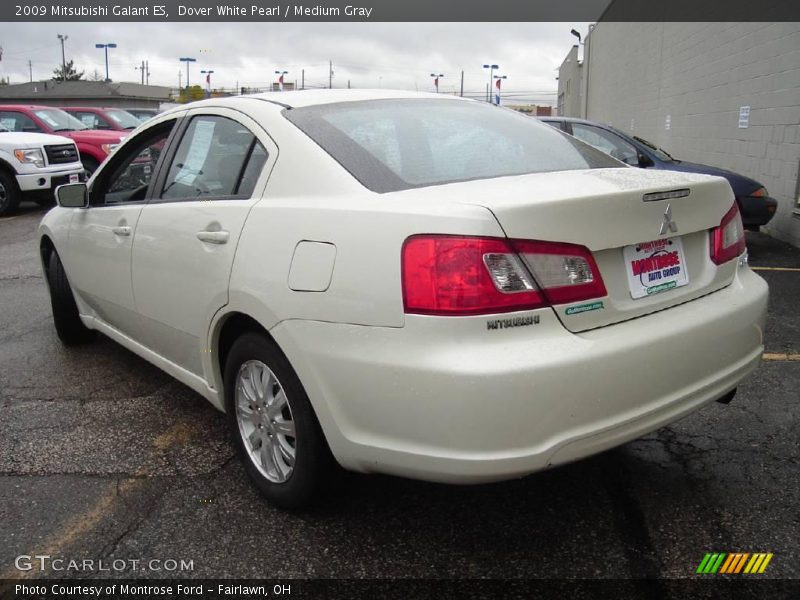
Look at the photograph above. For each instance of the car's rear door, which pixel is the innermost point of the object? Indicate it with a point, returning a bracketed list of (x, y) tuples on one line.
[(188, 232)]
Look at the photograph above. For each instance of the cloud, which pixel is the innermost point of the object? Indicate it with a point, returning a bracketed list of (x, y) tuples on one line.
[(392, 55)]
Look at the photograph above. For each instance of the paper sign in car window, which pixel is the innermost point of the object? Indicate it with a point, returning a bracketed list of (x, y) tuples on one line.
[(47, 119), (88, 120), (198, 152), (9, 124)]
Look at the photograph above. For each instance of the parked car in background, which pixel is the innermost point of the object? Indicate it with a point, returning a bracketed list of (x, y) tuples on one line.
[(143, 114), (459, 293), (755, 204), (93, 145), (32, 165), (114, 119)]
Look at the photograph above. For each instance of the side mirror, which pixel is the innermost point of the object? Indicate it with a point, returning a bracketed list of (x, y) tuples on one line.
[(72, 195), (644, 161)]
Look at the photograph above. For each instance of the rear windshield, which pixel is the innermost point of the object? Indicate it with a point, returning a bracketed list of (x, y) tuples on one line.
[(392, 145)]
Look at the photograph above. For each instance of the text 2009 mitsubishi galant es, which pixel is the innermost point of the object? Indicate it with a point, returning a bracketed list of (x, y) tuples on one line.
[(406, 283)]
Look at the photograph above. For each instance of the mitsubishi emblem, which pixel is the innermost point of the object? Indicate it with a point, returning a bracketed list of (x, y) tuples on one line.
[(668, 224)]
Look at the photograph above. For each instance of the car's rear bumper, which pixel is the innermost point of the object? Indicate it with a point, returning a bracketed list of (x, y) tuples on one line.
[(447, 399), (757, 211)]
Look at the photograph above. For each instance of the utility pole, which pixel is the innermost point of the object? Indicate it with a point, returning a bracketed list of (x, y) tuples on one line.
[(462, 82), (348, 84), (303, 79), (147, 70), (142, 69), (62, 39), (330, 74), (180, 80), (30, 70)]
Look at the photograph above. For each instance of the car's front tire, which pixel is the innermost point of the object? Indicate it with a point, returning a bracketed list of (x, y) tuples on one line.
[(9, 194), (273, 425), (69, 327)]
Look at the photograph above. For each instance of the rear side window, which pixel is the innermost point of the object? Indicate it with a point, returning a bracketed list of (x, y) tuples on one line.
[(217, 157), (392, 145)]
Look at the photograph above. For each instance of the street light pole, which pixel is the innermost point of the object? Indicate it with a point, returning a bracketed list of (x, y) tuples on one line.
[(106, 47), (62, 39), (187, 60), (491, 74), (436, 80)]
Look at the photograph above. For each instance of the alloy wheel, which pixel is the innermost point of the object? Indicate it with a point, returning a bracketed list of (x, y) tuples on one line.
[(265, 421)]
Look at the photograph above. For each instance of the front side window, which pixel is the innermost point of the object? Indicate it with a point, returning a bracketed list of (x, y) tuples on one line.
[(213, 160), (607, 142), (391, 145), (129, 173), (15, 121)]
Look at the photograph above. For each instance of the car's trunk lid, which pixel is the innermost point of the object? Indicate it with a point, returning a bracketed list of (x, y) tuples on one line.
[(619, 215)]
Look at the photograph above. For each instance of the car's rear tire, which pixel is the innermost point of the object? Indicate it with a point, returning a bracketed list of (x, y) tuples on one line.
[(69, 327), (273, 424), (9, 194)]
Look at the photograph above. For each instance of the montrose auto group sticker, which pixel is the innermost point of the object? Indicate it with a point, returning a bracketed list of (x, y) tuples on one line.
[(655, 266)]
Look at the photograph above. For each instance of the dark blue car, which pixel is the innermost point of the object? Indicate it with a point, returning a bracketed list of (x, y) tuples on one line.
[(756, 206)]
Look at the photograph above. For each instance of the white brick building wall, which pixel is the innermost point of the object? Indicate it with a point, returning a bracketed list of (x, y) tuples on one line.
[(700, 74)]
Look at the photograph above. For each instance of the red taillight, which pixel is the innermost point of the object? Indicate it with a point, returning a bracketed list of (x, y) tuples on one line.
[(727, 240), (454, 275), (459, 275)]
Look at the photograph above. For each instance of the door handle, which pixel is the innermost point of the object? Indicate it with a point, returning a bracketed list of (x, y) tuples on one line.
[(213, 237), (121, 230)]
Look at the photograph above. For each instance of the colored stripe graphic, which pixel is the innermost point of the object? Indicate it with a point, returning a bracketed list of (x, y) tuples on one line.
[(733, 563), (764, 564), (711, 562)]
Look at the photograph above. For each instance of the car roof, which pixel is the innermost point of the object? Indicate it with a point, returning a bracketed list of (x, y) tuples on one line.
[(303, 98), (26, 106)]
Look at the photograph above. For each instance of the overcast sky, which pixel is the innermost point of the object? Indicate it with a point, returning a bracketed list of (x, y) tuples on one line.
[(391, 55)]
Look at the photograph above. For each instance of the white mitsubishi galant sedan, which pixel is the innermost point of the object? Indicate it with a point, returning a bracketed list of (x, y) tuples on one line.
[(406, 283)]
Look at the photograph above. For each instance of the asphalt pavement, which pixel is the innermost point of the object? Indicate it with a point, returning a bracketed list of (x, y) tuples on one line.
[(104, 457)]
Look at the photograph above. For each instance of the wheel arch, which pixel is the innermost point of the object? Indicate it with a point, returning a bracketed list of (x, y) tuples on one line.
[(46, 250), (226, 330)]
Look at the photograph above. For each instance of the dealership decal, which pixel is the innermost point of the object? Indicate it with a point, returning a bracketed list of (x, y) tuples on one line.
[(582, 308), (656, 266), (513, 322), (734, 563)]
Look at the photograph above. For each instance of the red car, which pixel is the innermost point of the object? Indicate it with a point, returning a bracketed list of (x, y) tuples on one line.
[(93, 144), (95, 117)]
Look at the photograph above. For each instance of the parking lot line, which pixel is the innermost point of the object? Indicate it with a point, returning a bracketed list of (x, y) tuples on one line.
[(8, 218), (775, 268), (780, 356)]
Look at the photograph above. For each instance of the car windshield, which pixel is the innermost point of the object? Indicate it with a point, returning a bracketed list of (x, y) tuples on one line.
[(123, 118), (660, 153), (58, 120), (391, 145)]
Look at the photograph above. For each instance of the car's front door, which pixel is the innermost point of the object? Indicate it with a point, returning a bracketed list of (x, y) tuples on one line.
[(187, 234), (98, 260)]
